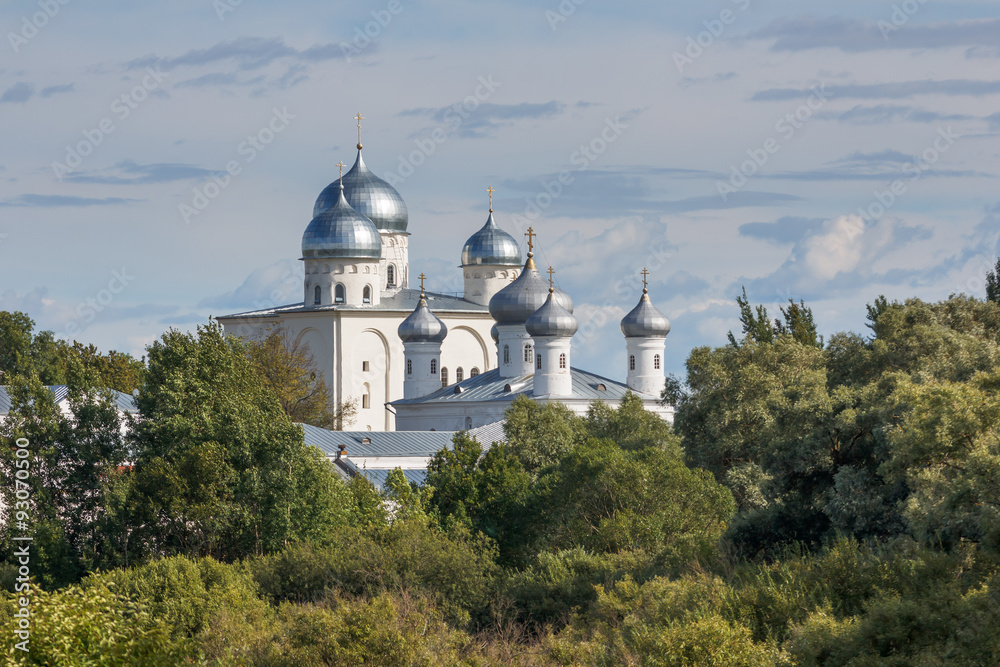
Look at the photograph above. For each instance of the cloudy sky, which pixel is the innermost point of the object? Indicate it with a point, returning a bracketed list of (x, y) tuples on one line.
[(829, 152)]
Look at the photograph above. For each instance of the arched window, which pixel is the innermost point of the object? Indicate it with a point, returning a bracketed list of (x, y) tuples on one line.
[(631, 362), (409, 366), (538, 361), (459, 374), (562, 360), (366, 296), (506, 354), (434, 367), (656, 362), (366, 398), (468, 423), (317, 294), (391, 273), (444, 376), (474, 372), (527, 353), (339, 294)]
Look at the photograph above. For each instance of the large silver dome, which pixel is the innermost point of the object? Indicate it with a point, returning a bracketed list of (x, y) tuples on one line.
[(367, 194), (422, 326), (516, 302), (340, 231), (551, 320), (491, 245), (645, 321)]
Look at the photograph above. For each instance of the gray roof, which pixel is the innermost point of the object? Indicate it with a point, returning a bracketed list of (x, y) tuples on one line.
[(403, 300), (368, 194), (551, 320), (60, 392), (491, 245), (645, 320), (340, 231), (422, 326), (490, 386), (395, 443), (516, 302)]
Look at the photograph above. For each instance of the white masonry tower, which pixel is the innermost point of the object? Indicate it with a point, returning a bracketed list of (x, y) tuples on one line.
[(552, 328), (422, 334), (645, 330), (491, 258), (511, 307)]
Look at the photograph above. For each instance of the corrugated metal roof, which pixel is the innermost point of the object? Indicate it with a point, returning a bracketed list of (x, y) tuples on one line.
[(402, 300), (488, 434), (380, 443), (378, 478), (489, 386), (60, 392)]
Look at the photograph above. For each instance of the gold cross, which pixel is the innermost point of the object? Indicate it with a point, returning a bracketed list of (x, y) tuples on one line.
[(359, 118), (422, 278), (550, 272), (491, 191), (644, 274), (341, 165), (531, 236)]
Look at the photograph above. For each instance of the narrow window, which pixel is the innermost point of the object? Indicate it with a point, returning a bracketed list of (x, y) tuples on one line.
[(656, 362), (409, 366), (506, 354), (468, 423), (367, 295), (474, 372), (391, 273), (459, 374), (434, 366), (444, 376), (631, 362), (317, 293), (364, 366), (562, 360), (538, 361), (527, 353), (339, 294)]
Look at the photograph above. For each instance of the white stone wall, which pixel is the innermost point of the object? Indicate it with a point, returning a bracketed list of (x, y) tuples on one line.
[(353, 275), (645, 378), (359, 353)]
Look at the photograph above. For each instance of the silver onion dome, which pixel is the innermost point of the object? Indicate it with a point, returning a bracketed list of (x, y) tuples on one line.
[(516, 302), (495, 334), (367, 194), (551, 320), (422, 326), (340, 231), (645, 321), (491, 245)]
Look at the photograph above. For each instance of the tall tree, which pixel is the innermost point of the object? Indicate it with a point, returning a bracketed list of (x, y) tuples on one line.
[(220, 468), (289, 369)]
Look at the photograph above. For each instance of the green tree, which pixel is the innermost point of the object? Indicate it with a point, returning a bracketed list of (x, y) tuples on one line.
[(289, 369), (631, 426), (993, 284), (220, 468), (539, 434)]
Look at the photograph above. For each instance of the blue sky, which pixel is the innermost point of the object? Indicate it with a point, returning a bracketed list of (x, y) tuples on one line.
[(829, 152)]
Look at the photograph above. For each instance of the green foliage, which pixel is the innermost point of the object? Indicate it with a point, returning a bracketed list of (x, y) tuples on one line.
[(220, 468), (95, 626), (993, 284), (185, 593), (72, 477), (540, 434), (632, 427)]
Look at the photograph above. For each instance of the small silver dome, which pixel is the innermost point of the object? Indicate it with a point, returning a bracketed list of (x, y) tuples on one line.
[(551, 320), (495, 334), (491, 245), (645, 321), (369, 195), (516, 302), (422, 326), (340, 231)]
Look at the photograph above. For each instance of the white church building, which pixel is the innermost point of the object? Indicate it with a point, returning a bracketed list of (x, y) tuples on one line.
[(415, 360)]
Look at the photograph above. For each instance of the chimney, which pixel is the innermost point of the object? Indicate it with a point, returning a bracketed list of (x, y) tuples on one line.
[(342, 454)]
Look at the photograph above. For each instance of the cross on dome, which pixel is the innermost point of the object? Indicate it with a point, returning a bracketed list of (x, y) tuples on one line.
[(359, 118), (422, 278), (645, 283), (491, 191), (341, 165), (531, 237), (550, 272)]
